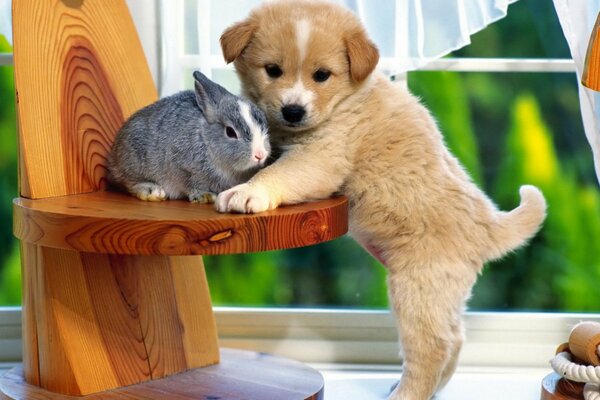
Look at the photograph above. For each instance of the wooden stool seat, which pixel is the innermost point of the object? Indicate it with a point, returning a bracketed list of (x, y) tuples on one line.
[(116, 223), (115, 294)]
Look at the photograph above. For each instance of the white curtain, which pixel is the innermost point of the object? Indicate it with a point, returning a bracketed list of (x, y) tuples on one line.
[(5, 20), (577, 18), (409, 33), (425, 30)]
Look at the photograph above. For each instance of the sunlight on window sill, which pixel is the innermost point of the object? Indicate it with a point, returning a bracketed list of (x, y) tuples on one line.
[(374, 383)]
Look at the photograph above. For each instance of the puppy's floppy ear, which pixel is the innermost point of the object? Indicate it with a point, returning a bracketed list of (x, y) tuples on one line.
[(235, 39), (362, 55)]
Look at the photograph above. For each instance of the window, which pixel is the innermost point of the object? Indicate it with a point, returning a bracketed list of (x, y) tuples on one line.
[(513, 88), (10, 283), (508, 107), (525, 127)]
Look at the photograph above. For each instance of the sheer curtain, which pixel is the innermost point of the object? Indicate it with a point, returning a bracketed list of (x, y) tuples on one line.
[(5, 20), (409, 33), (426, 30), (577, 18)]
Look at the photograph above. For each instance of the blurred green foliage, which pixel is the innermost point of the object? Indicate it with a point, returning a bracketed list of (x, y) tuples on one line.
[(528, 130), (10, 292), (454, 116), (561, 269), (338, 273), (507, 129)]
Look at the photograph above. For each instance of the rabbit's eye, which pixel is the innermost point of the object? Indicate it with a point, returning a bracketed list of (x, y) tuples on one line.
[(273, 70), (230, 132), (321, 75)]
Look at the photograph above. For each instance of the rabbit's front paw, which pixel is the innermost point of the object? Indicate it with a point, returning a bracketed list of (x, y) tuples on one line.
[(202, 197), (148, 191), (243, 199)]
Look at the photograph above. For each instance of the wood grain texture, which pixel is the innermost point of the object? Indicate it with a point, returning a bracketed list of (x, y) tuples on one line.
[(96, 322), (115, 223), (591, 70), (103, 307), (241, 375), (79, 72), (29, 262)]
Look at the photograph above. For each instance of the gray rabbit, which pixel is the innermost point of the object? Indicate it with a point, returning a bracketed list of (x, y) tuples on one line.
[(193, 144)]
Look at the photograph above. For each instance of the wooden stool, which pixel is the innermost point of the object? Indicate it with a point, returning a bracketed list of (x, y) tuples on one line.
[(114, 289)]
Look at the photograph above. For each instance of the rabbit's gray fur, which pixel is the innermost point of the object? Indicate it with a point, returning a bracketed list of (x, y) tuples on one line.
[(178, 147)]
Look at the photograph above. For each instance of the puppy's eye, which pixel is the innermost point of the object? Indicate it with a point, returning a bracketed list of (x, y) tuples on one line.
[(273, 70), (321, 75), (230, 132)]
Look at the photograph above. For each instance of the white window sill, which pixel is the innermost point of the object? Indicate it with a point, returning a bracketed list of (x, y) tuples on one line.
[(374, 383), (505, 356), (507, 340)]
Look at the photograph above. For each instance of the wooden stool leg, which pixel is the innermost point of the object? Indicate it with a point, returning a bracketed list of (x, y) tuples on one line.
[(94, 322)]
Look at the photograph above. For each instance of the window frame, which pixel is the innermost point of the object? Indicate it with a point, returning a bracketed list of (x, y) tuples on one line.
[(510, 339), (6, 59), (365, 337), (465, 64)]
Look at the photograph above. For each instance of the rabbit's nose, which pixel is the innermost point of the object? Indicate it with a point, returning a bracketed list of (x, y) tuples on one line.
[(259, 155), (293, 113)]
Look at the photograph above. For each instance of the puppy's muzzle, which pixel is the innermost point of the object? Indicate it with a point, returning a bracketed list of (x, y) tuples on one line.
[(293, 113)]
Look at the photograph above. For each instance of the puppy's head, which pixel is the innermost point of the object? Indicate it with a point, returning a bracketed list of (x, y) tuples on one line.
[(298, 59)]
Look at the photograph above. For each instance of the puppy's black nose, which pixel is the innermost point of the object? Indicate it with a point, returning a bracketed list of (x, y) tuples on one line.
[(293, 113)]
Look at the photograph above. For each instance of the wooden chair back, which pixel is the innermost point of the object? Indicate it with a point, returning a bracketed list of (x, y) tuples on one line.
[(80, 71)]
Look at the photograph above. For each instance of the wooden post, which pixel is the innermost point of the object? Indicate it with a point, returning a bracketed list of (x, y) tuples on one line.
[(95, 322)]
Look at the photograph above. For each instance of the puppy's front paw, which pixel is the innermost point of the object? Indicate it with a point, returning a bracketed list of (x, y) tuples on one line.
[(244, 199)]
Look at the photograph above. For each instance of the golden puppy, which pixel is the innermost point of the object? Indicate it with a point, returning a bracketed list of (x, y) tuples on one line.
[(344, 128)]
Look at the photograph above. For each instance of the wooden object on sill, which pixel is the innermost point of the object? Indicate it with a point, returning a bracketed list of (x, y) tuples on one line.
[(240, 375), (583, 345), (109, 299), (584, 341), (591, 69), (556, 388)]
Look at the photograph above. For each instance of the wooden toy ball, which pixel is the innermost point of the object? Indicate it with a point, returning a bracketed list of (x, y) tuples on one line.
[(584, 341), (576, 365)]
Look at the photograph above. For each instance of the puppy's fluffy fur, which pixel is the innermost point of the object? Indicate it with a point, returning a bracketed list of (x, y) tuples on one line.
[(411, 204)]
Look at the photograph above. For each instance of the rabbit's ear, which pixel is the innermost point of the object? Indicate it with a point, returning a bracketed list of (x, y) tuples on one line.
[(208, 95)]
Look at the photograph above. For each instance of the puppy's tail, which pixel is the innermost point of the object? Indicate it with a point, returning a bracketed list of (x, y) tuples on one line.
[(516, 227)]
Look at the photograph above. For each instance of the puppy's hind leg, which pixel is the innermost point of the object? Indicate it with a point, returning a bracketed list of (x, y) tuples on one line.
[(428, 301)]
